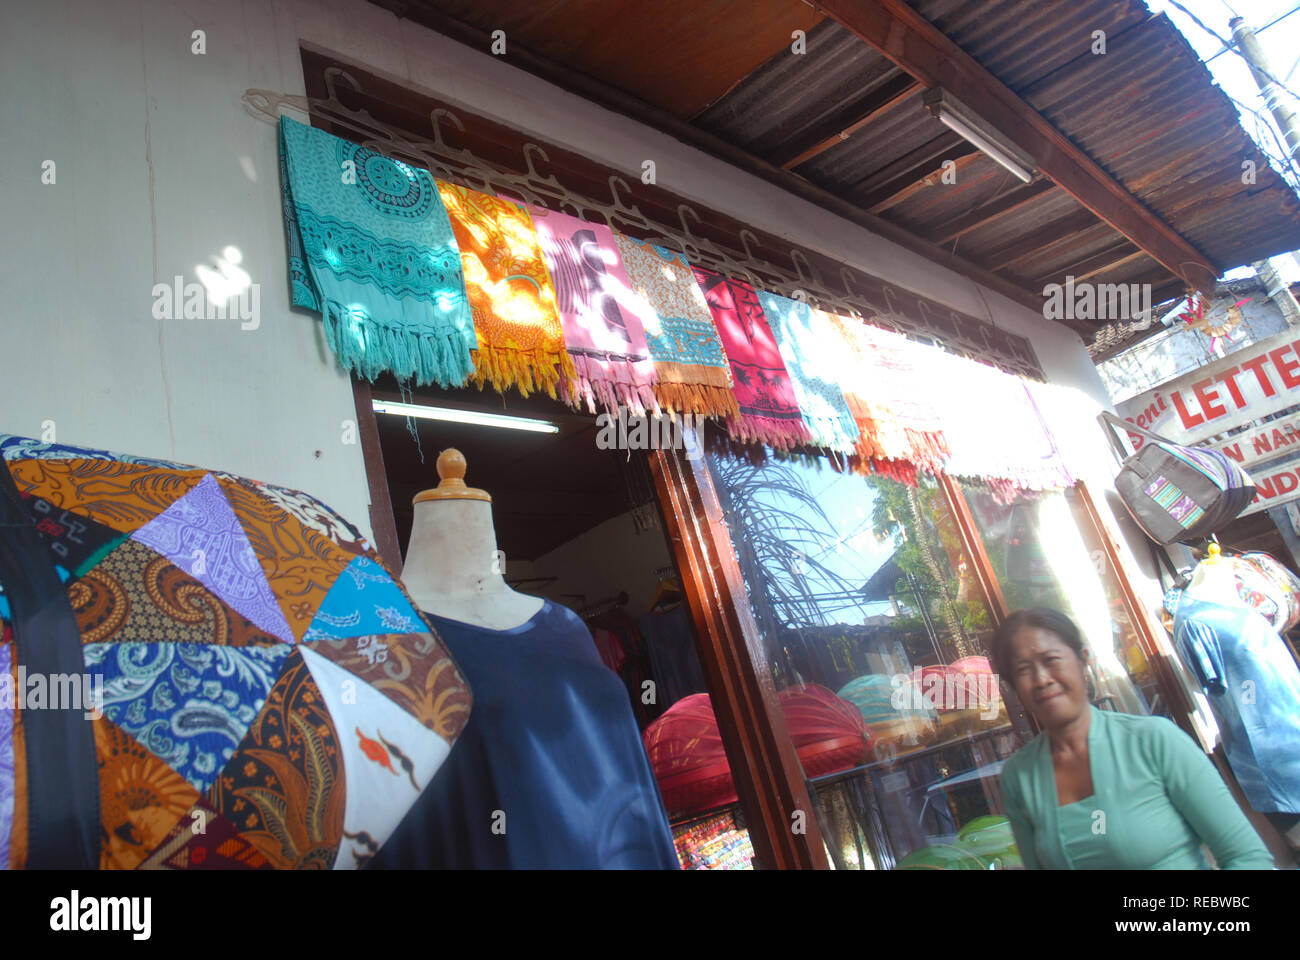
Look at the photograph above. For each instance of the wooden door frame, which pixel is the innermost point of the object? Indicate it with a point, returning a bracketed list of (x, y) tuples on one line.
[(764, 765)]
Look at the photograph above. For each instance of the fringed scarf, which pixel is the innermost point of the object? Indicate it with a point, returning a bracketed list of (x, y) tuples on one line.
[(520, 340), (371, 249), (888, 394), (605, 337), (807, 346), (692, 371), (769, 411), (995, 430)]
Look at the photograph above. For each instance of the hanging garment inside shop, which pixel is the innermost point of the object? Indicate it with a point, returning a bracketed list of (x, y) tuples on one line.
[(674, 663), (1251, 680), (550, 771)]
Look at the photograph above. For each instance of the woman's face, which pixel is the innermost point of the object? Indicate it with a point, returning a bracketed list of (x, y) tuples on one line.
[(1048, 676)]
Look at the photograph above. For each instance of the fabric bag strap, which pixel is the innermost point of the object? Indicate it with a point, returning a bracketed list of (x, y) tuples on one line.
[(1116, 421), (62, 767)]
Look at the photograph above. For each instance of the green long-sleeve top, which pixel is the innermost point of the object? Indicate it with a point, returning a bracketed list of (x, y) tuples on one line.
[(1156, 799)]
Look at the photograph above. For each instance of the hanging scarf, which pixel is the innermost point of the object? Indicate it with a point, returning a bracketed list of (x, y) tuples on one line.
[(769, 411), (605, 338), (994, 429), (371, 249), (691, 369), (888, 394), (520, 340), (807, 346)]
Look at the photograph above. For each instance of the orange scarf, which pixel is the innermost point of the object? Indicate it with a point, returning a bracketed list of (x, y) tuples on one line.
[(520, 340)]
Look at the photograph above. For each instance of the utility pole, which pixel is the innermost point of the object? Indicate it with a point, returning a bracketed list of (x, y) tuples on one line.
[(1279, 105)]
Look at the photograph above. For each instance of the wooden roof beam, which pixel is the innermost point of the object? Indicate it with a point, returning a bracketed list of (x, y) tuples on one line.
[(1032, 243), (898, 175), (1113, 256), (884, 98), (917, 46), (988, 212)]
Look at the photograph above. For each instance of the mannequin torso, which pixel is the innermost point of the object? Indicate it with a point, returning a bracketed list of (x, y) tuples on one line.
[(453, 568)]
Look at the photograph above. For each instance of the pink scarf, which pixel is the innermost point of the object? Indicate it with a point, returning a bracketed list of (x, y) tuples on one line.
[(605, 338)]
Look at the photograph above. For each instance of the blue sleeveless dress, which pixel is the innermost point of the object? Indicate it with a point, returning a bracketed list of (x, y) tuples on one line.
[(550, 771)]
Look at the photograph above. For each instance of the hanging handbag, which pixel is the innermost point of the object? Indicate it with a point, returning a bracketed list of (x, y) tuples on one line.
[(1176, 493)]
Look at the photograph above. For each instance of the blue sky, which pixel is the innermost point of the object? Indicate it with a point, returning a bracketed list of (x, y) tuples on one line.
[(1280, 41)]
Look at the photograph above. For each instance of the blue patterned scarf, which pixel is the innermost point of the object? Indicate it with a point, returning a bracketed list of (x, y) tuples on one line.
[(816, 367), (371, 250)]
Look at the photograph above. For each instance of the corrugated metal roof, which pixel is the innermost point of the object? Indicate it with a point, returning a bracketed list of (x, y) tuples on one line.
[(1146, 111)]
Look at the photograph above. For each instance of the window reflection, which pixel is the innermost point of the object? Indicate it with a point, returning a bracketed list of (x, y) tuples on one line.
[(876, 635), (1042, 557)]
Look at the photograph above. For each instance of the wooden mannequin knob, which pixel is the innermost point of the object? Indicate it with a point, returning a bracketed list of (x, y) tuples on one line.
[(451, 481)]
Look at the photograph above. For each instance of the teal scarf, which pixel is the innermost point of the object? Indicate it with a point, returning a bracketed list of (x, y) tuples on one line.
[(371, 250)]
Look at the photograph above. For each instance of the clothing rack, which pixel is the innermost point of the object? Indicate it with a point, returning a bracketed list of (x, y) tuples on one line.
[(603, 606)]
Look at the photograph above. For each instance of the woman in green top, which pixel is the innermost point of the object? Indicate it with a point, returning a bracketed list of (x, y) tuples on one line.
[(1104, 790)]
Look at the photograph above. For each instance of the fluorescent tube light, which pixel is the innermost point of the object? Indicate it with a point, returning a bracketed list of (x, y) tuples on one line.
[(464, 416), (959, 118)]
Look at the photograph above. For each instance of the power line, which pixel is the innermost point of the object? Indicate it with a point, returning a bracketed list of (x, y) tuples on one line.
[(1232, 45)]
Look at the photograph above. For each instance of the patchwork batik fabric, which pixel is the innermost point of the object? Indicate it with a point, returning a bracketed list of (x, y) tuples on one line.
[(6, 746), (258, 690), (691, 369), (520, 341), (769, 409), (816, 369), (603, 331), (371, 250)]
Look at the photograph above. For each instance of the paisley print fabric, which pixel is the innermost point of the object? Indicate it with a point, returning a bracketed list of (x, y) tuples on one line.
[(122, 496), (520, 339), (201, 533), (284, 788), (299, 562), (187, 595), (372, 250), (603, 330), (24, 448), (137, 596), (691, 370), (364, 600), (141, 799), (807, 345), (310, 513), (402, 667), (769, 410), (189, 704), (75, 542), (205, 840)]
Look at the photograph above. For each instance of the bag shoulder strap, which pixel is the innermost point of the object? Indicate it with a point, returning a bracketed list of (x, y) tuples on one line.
[(1116, 421)]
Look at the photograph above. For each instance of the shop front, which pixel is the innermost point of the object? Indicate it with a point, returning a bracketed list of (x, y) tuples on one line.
[(802, 627)]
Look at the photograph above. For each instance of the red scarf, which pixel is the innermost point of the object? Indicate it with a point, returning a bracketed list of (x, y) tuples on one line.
[(769, 412)]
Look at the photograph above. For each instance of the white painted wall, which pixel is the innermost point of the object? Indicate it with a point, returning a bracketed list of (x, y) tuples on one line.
[(159, 168), (608, 559)]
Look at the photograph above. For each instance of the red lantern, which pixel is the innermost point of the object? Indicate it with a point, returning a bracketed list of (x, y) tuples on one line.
[(686, 753), (829, 734)]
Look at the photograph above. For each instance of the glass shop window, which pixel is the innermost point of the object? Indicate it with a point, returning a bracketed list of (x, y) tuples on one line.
[(1043, 556), (876, 636)]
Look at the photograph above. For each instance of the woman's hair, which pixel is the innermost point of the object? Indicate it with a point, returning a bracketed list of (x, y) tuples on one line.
[(1044, 618)]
